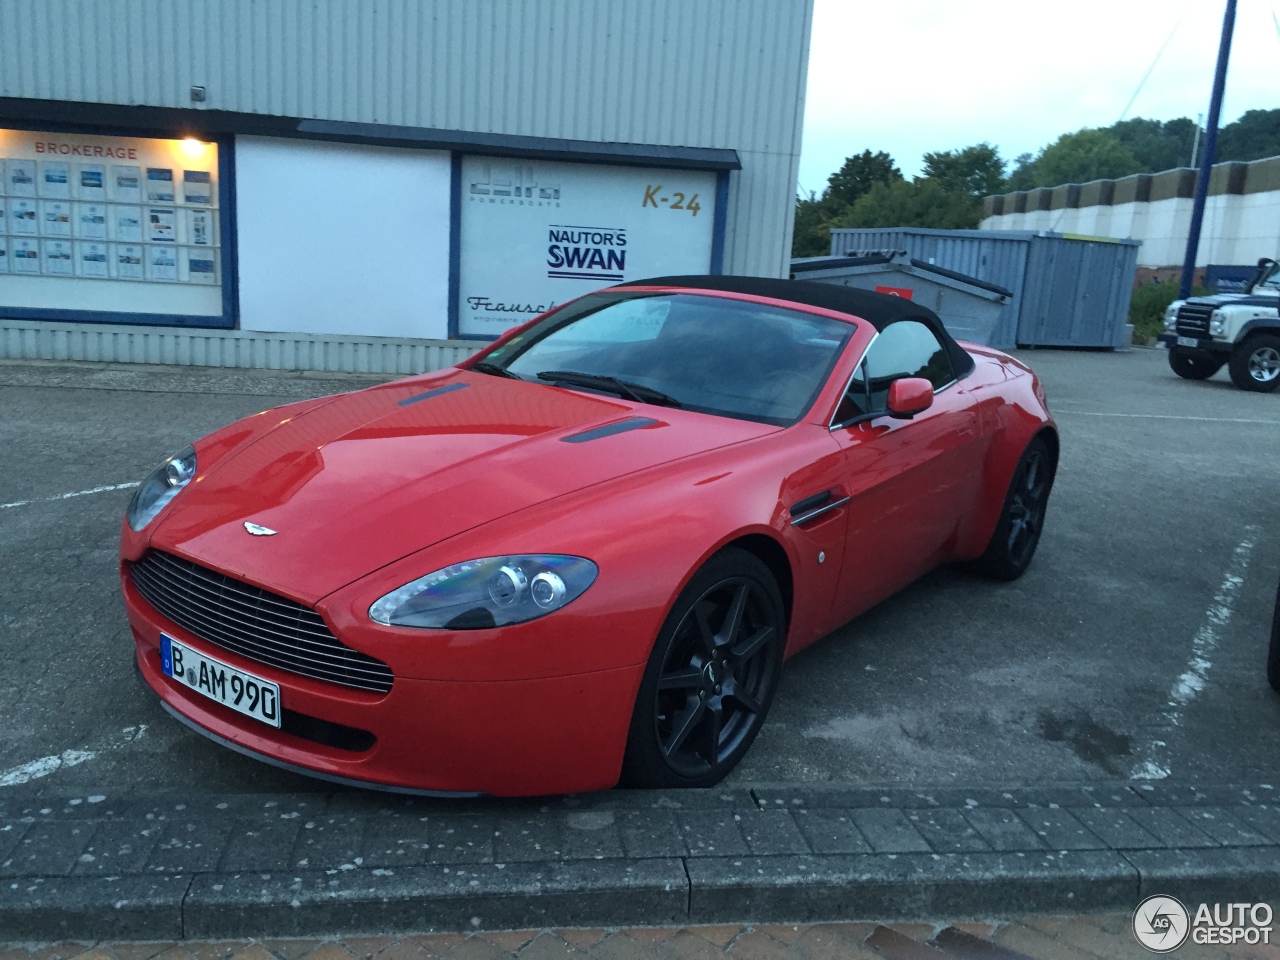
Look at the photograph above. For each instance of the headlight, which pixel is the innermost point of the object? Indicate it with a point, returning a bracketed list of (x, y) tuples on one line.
[(1216, 323), (163, 484), (492, 592), (1171, 315)]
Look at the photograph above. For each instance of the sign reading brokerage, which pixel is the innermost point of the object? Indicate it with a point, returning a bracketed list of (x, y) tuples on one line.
[(107, 224), (538, 233)]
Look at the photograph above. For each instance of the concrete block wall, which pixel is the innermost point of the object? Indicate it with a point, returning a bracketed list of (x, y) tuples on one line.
[(1241, 219)]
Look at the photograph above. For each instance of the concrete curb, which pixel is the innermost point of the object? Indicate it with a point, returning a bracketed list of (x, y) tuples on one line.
[(164, 866)]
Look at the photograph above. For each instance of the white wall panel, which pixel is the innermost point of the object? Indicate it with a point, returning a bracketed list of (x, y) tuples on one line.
[(715, 73), (320, 223)]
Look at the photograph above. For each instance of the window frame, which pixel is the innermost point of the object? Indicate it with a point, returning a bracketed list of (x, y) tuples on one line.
[(858, 370)]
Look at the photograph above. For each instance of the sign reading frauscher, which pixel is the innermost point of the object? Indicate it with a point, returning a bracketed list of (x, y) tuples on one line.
[(539, 233)]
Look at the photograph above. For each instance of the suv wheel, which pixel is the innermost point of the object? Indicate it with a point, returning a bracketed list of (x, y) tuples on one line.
[(1193, 364), (1255, 364)]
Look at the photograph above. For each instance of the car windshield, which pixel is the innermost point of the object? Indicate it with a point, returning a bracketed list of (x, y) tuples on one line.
[(705, 353), (1270, 280)]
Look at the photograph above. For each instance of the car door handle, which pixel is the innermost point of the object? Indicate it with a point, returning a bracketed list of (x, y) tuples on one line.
[(812, 507)]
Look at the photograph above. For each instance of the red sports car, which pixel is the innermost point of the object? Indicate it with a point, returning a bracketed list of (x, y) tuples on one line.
[(583, 555)]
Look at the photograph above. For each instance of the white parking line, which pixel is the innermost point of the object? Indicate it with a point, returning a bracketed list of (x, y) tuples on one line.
[(68, 496), (35, 769), (1155, 763)]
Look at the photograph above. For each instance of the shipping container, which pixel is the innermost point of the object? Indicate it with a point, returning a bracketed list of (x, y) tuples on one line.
[(1067, 291)]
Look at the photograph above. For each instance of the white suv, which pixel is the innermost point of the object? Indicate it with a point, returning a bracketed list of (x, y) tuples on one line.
[(1241, 330)]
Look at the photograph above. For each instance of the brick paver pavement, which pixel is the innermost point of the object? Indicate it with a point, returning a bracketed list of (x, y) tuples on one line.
[(1088, 937)]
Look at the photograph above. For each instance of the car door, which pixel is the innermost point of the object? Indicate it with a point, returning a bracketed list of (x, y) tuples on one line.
[(909, 482)]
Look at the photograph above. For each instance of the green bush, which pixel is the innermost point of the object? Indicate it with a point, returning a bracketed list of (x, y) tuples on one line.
[(1146, 310)]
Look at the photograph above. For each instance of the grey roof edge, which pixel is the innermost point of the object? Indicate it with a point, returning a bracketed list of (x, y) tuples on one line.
[(501, 144), (180, 122), (962, 277), (819, 264), (987, 234), (810, 264)]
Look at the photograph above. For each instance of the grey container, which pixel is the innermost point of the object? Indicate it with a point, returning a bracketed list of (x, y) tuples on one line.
[(1066, 291), (970, 308)]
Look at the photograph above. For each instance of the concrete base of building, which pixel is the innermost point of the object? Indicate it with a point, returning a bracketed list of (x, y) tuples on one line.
[(242, 349)]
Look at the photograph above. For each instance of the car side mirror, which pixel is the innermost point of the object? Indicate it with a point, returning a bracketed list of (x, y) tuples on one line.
[(909, 396)]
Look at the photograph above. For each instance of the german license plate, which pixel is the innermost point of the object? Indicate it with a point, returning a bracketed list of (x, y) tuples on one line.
[(242, 692), (1188, 342)]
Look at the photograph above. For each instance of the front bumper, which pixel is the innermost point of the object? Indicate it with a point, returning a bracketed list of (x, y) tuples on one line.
[(562, 734), (1203, 344)]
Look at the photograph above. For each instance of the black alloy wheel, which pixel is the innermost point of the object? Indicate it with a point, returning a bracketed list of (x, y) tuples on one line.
[(1193, 364), (710, 678), (1017, 534), (1255, 365)]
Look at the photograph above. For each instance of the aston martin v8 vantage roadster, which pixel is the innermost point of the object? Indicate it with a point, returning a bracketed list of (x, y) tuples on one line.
[(582, 556)]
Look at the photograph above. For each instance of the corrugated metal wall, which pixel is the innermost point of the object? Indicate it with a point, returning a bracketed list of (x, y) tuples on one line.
[(1079, 291), (1066, 292), (716, 73), (244, 349)]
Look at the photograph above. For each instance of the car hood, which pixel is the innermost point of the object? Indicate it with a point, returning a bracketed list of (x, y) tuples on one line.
[(370, 477), (1236, 300)]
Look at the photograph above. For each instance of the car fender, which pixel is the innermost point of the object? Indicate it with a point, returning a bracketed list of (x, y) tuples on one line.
[(1258, 325), (1012, 415)]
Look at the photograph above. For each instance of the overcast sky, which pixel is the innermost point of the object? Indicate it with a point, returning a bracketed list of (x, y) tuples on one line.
[(916, 76)]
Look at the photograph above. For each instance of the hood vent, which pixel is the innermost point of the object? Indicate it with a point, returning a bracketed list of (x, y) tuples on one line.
[(609, 429), (447, 388)]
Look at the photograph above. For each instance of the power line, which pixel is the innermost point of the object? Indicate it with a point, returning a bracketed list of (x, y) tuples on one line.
[(1159, 53)]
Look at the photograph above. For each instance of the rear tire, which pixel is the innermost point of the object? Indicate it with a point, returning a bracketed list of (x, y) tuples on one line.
[(1017, 533), (710, 678), (1193, 364), (1255, 364)]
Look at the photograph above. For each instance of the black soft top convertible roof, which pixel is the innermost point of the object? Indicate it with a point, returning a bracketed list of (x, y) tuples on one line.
[(878, 309)]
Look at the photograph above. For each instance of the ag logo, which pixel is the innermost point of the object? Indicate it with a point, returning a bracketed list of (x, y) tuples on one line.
[(1161, 924)]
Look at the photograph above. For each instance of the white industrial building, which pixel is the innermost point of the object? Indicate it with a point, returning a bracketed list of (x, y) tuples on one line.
[(346, 185), (1241, 217)]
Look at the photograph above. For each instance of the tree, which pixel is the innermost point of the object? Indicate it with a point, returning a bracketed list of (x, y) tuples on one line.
[(1156, 146), (1083, 156), (1254, 136), (1024, 173), (924, 202), (858, 175), (977, 170), (812, 236), (814, 215)]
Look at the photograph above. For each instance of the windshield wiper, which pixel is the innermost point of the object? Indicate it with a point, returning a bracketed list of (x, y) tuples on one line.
[(623, 388), (484, 366)]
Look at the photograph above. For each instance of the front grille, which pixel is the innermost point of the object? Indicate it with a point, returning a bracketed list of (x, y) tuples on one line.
[(1193, 320), (253, 622)]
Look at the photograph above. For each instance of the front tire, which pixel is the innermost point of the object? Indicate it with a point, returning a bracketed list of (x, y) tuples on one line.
[(1193, 364), (710, 678), (1017, 534), (1255, 364)]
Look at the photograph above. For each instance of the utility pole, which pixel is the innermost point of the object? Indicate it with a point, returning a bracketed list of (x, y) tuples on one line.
[(1195, 144), (1210, 144)]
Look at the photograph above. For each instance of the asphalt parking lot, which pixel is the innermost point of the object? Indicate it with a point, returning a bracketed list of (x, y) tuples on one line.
[(1134, 647)]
